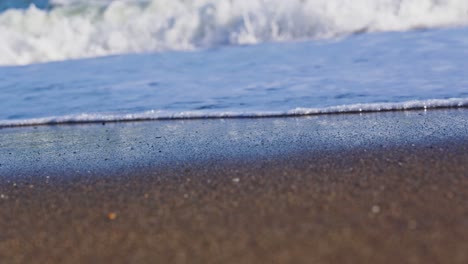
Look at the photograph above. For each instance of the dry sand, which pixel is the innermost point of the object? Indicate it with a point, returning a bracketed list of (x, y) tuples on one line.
[(373, 188)]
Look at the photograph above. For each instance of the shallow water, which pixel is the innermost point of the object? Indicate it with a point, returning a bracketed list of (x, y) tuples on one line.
[(299, 73)]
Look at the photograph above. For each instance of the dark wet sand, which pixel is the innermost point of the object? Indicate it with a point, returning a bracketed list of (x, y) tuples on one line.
[(372, 188)]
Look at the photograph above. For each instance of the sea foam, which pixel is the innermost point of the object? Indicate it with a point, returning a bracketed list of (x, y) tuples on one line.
[(71, 29), (297, 112)]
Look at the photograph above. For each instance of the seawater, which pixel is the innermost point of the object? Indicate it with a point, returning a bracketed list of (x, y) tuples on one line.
[(81, 61)]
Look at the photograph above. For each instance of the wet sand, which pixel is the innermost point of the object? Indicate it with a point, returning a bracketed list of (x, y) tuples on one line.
[(371, 188)]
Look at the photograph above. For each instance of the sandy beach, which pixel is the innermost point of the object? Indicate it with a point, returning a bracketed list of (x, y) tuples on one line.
[(353, 188)]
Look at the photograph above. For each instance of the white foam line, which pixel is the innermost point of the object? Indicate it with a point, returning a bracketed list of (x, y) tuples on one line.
[(164, 115)]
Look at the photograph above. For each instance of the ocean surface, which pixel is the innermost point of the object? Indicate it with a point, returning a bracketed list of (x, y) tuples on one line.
[(92, 61)]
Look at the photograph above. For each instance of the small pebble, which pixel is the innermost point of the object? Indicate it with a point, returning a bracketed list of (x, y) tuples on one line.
[(412, 225), (375, 209), (111, 216), (236, 180), (450, 195)]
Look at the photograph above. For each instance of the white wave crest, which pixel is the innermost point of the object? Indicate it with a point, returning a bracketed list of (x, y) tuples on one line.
[(164, 115), (80, 29)]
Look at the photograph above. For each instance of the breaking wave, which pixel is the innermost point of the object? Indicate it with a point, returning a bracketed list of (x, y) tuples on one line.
[(70, 29)]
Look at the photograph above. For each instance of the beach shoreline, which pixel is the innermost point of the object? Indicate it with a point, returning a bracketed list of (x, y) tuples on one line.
[(371, 188)]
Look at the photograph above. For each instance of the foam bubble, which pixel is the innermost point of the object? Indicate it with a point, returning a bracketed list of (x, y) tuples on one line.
[(80, 29)]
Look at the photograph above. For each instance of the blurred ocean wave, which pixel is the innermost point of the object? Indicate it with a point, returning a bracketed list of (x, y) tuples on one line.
[(43, 31)]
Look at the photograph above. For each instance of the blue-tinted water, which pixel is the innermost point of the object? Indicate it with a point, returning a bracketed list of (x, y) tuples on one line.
[(296, 74)]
